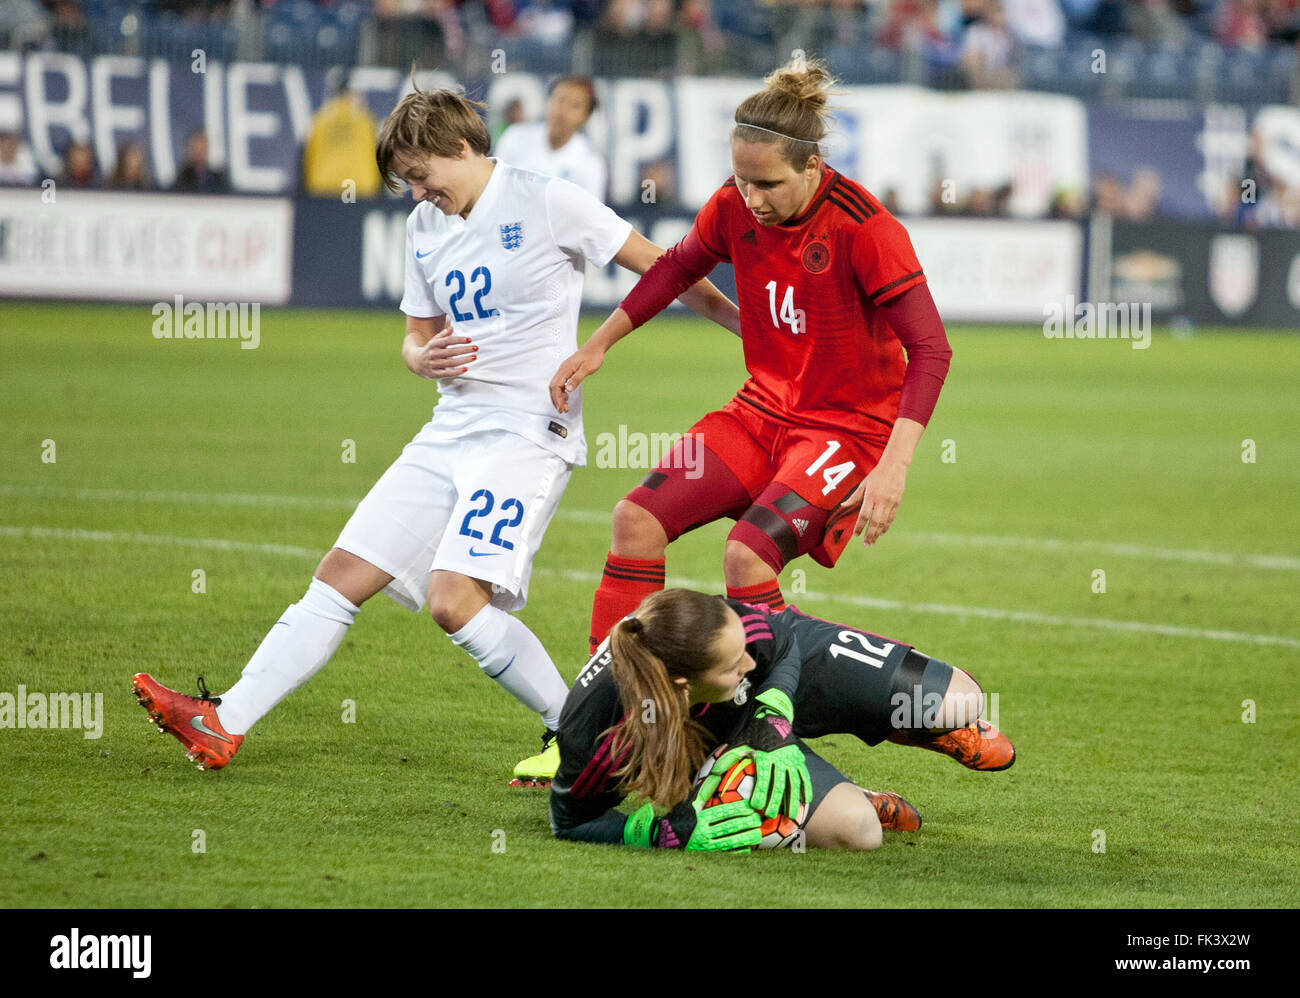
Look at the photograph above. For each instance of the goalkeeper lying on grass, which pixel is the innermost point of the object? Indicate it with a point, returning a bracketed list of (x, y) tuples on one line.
[(689, 672)]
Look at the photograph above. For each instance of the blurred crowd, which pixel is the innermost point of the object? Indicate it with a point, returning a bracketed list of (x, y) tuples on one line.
[(984, 31)]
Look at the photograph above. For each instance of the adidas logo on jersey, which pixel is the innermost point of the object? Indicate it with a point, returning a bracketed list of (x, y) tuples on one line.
[(800, 525), (750, 237)]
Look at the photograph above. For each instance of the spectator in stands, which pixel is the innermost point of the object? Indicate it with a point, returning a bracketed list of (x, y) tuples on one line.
[(636, 37), (131, 172), (1283, 20), (1107, 195), (1067, 203), (545, 21), (79, 168), (914, 26), (17, 165), (340, 148), (988, 50), (1240, 24), (1158, 22), (1142, 202), (196, 176), (557, 146), (630, 17), (1259, 198), (512, 115), (1035, 22), (418, 30), (1102, 17), (23, 24)]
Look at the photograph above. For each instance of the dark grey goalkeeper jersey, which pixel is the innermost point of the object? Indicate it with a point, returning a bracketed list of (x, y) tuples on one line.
[(839, 679)]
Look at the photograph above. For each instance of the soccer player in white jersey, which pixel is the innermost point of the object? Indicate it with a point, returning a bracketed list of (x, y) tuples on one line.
[(494, 265), (558, 147)]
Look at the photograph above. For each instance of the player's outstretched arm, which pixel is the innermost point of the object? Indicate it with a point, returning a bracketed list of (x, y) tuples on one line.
[(575, 368), (701, 297), (685, 263)]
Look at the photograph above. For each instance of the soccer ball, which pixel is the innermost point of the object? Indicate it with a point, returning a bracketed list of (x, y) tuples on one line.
[(737, 784)]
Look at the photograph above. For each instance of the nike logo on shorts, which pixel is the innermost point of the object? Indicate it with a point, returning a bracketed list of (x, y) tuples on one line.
[(481, 554)]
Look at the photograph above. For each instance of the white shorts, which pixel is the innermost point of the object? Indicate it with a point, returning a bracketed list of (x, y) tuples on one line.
[(477, 504)]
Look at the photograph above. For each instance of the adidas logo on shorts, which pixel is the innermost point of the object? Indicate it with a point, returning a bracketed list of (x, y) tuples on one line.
[(800, 525)]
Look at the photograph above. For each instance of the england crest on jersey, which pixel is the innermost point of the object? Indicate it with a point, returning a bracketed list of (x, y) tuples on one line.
[(512, 235)]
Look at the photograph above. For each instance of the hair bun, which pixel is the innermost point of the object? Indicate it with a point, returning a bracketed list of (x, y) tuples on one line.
[(634, 624)]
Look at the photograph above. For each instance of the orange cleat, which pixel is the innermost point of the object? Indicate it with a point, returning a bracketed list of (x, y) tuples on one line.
[(191, 720), (977, 746), (896, 814)]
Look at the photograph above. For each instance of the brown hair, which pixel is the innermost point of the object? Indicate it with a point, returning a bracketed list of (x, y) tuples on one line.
[(792, 103), (430, 123), (659, 746)]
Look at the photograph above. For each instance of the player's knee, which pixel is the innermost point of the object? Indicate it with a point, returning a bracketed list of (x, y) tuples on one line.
[(637, 533), (760, 545), (453, 600), (859, 828), (742, 566), (353, 578), (868, 834), (846, 820)]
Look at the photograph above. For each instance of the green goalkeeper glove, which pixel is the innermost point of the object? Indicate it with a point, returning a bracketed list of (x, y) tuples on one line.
[(690, 825), (781, 783)]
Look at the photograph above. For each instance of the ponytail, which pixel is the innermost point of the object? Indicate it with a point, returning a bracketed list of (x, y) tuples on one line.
[(658, 748)]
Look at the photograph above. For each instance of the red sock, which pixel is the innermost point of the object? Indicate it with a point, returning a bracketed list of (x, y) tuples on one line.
[(766, 594), (623, 585)]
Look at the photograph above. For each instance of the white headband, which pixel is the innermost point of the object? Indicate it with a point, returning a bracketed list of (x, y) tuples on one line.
[(811, 142)]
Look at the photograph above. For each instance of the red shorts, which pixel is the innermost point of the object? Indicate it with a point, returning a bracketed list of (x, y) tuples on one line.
[(740, 463)]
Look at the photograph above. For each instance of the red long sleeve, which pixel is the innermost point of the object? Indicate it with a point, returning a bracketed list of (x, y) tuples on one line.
[(680, 267), (915, 321)]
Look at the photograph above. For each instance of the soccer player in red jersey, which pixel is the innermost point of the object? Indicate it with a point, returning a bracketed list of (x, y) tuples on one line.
[(845, 350)]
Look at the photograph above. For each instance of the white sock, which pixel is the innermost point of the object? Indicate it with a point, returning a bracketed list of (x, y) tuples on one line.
[(294, 650), (510, 653)]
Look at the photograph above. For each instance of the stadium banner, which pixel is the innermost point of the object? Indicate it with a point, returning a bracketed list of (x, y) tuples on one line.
[(979, 270), (256, 116), (1206, 274), (911, 146), (144, 247), (996, 270), (1209, 161), (353, 255)]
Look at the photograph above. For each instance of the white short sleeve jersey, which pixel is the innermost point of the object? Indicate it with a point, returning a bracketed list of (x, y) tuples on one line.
[(528, 146), (510, 277)]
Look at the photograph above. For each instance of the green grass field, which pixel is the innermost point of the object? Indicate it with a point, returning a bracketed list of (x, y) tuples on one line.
[(1126, 706)]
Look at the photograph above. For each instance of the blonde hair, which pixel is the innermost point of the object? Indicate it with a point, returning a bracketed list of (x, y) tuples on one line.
[(791, 109), (659, 747), (431, 123)]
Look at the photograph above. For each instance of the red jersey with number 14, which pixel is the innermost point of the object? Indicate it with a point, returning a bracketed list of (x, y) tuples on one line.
[(818, 349)]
